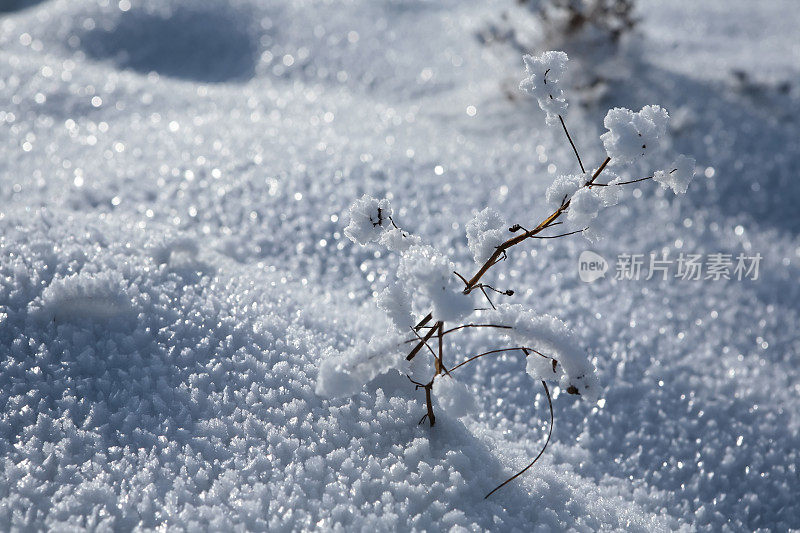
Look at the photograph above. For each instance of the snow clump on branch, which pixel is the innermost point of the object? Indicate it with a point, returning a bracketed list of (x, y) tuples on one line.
[(561, 361), (369, 219), (485, 232), (631, 135), (396, 303), (431, 274), (584, 206), (544, 72), (563, 187), (679, 178), (343, 374)]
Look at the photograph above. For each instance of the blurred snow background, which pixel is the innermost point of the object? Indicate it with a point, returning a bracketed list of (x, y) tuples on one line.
[(173, 179)]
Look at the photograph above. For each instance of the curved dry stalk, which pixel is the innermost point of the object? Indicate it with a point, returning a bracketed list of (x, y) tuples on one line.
[(490, 352), (451, 330), (549, 436), (557, 236), (628, 182), (498, 326)]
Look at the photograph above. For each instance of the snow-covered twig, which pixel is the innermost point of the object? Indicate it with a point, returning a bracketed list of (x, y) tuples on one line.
[(428, 284)]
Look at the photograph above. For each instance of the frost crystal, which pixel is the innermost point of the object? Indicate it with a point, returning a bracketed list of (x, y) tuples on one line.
[(544, 72), (584, 206), (630, 135), (397, 240), (369, 218), (485, 233), (612, 193), (395, 302), (555, 340), (563, 187), (680, 177), (428, 271), (453, 396)]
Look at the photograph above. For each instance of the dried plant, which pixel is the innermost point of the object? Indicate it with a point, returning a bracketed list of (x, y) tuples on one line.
[(428, 285), (598, 19)]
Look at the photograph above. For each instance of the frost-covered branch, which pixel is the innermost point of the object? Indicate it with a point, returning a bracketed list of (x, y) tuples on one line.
[(427, 283)]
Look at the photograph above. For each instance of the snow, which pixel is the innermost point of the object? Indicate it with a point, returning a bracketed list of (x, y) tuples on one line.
[(631, 135), (427, 273), (679, 178), (485, 232), (175, 279), (563, 187), (612, 194), (455, 399), (553, 340), (544, 73), (344, 374), (584, 206), (369, 219), (395, 302)]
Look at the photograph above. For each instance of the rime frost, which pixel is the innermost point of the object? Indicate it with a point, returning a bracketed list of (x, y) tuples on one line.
[(563, 187), (584, 206), (679, 178), (613, 192), (631, 135), (84, 296), (395, 302), (551, 337), (485, 232), (544, 72), (369, 219), (397, 240), (424, 269)]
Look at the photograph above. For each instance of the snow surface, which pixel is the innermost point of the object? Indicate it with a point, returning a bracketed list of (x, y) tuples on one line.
[(174, 183)]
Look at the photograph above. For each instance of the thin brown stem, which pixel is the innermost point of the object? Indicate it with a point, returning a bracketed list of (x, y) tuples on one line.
[(422, 342), (433, 329), (429, 403), (490, 352), (428, 346), (439, 360), (549, 435), (557, 236), (628, 182), (475, 326), (528, 234), (569, 137)]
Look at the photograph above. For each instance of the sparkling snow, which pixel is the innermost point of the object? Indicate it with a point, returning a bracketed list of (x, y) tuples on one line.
[(175, 181)]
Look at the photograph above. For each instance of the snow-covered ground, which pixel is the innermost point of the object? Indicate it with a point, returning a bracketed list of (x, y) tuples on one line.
[(174, 182)]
